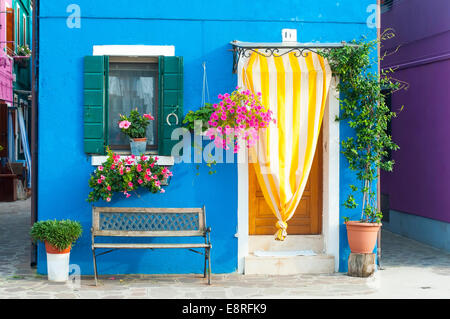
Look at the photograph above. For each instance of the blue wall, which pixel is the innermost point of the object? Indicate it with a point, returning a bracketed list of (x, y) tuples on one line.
[(200, 31)]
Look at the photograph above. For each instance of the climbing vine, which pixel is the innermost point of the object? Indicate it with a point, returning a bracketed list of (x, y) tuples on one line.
[(362, 102)]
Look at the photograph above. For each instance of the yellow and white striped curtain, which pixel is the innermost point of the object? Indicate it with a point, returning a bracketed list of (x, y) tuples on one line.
[(295, 89)]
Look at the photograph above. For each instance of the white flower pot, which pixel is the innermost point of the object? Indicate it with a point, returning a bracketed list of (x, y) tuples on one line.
[(58, 267), (57, 264)]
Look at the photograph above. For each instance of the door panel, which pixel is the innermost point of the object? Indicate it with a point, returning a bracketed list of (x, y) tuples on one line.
[(307, 218)]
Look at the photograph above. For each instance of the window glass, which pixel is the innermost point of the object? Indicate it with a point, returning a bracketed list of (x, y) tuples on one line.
[(132, 85)]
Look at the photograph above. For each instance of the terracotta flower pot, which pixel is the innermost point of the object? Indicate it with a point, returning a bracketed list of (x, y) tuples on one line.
[(362, 236), (50, 249)]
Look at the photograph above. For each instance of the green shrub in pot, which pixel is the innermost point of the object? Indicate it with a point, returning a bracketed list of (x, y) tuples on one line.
[(59, 233)]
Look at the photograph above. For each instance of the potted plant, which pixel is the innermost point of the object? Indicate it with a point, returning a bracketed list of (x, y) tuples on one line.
[(58, 237), (363, 107), (203, 114), (135, 127)]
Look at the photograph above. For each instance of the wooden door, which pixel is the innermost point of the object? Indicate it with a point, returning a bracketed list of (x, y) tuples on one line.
[(307, 218)]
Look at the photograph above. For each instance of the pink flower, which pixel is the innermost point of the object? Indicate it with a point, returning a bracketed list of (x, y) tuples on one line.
[(124, 124), (102, 177), (144, 158), (130, 184), (100, 168), (121, 171), (148, 116), (108, 199), (157, 183), (162, 190), (128, 195), (99, 181), (139, 167), (128, 169), (113, 166), (108, 188), (140, 181)]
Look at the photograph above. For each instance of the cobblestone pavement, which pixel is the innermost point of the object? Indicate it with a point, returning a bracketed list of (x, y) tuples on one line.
[(411, 270)]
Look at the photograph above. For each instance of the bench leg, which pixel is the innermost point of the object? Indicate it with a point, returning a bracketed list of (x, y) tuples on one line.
[(95, 266), (206, 259), (209, 266)]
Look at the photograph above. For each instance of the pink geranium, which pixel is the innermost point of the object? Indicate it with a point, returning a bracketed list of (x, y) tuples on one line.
[(149, 116), (125, 175), (124, 124)]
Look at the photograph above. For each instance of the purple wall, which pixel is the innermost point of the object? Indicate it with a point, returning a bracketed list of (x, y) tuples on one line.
[(420, 182)]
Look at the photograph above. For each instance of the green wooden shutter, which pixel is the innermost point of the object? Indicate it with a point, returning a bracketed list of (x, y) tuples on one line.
[(170, 100), (95, 103)]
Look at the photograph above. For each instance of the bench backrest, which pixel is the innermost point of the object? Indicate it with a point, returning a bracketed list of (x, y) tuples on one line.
[(148, 222)]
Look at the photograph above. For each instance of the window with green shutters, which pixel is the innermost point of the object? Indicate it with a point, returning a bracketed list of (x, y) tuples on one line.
[(97, 108)]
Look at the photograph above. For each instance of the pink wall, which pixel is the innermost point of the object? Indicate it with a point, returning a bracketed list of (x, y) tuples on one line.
[(6, 63)]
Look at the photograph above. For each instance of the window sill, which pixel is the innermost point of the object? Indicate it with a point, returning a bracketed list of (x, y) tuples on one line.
[(97, 160)]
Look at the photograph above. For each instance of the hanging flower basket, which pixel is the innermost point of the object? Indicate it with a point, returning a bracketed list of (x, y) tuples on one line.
[(239, 115)]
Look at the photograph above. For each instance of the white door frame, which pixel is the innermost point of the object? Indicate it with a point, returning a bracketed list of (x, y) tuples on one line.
[(330, 196)]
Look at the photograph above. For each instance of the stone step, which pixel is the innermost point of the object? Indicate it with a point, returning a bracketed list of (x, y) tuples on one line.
[(292, 242), (292, 265)]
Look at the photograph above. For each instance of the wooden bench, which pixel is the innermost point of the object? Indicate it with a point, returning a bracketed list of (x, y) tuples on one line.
[(151, 222)]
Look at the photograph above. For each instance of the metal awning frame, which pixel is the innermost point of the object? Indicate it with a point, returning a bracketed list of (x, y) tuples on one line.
[(245, 49)]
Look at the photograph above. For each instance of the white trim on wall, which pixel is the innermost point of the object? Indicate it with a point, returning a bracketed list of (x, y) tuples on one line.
[(331, 154), (134, 50)]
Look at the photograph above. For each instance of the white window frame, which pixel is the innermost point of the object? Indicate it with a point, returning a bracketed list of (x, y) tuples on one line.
[(134, 51)]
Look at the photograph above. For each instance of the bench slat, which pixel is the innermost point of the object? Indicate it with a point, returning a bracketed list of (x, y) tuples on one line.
[(108, 245)]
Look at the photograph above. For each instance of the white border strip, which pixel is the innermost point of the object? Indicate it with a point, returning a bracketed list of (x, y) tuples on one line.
[(331, 153), (134, 50), (97, 160)]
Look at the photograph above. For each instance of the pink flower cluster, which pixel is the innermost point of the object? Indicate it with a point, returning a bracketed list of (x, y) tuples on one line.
[(238, 115), (125, 175)]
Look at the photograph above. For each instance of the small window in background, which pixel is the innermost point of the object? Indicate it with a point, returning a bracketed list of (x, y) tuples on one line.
[(24, 27), (132, 85), (17, 38)]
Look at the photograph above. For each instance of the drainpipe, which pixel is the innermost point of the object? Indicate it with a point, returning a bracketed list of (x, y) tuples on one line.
[(34, 123)]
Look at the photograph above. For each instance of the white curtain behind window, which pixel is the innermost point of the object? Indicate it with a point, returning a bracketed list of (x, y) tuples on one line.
[(131, 85)]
